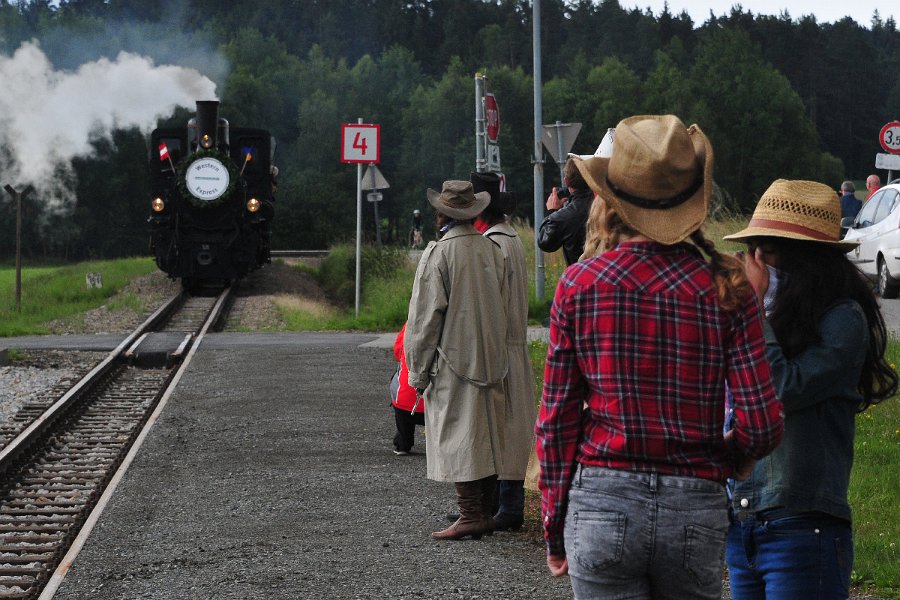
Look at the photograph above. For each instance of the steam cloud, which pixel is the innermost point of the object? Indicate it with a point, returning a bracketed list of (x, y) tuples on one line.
[(48, 117)]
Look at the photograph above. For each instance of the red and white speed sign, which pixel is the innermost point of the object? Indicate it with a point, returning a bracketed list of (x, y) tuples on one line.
[(491, 117), (360, 143), (890, 137)]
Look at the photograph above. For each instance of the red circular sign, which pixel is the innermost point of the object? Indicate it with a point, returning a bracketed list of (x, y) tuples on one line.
[(491, 117), (890, 137)]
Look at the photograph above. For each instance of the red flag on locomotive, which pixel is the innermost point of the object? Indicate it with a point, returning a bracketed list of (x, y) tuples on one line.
[(163, 151)]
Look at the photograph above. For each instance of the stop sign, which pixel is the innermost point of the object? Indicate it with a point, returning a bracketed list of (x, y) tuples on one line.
[(491, 117)]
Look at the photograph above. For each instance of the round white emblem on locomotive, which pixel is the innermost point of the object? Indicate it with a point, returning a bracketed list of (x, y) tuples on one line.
[(207, 178)]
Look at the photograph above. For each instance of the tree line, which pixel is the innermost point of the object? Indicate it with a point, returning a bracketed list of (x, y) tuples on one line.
[(778, 96)]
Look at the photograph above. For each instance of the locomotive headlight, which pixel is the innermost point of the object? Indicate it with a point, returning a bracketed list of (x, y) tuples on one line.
[(206, 141), (157, 204), (253, 205)]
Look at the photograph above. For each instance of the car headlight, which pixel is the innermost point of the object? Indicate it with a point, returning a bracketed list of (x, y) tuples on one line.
[(253, 205), (158, 205)]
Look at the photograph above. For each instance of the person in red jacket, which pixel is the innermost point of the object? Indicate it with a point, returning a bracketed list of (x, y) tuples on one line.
[(407, 412)]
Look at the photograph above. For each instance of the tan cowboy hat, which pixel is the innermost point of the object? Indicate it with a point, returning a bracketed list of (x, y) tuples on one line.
[(659, 177), (458, 200), (798, 210)]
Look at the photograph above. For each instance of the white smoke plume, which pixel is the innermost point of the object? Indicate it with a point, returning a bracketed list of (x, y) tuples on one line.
[(48, 117)]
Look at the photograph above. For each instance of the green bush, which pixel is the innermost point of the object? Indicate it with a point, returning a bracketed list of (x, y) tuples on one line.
[(337, 273)]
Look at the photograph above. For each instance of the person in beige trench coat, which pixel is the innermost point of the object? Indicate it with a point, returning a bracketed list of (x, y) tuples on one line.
[(457, 355), (519, 383)]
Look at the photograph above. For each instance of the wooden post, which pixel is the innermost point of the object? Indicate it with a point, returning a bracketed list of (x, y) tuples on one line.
[(18, 196)]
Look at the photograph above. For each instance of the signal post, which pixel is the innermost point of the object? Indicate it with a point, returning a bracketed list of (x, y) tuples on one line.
[(360, 144)]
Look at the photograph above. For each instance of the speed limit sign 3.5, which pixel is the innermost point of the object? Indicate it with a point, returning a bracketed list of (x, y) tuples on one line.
[(890, 137)]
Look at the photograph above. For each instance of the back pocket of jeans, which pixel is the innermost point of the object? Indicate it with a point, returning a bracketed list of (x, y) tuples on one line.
[(599, 538), (704, 552)]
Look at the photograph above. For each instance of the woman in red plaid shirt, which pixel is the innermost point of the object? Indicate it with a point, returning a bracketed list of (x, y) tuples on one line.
[(644, 335)]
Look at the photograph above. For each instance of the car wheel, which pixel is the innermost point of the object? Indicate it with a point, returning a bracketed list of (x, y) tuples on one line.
[(888, 287)]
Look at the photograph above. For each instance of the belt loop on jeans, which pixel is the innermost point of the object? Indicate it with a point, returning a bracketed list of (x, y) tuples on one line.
[(654, 481)]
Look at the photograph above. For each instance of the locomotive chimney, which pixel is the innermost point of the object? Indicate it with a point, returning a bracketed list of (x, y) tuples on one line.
[(207, 123)]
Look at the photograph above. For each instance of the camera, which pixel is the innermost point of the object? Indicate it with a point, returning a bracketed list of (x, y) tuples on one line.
[(562, 193)]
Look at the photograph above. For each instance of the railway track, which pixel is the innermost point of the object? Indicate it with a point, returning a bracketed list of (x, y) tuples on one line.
[(297, 253), (58, 460)]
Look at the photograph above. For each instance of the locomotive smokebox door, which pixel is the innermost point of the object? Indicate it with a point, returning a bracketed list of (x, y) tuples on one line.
[(207, 123)]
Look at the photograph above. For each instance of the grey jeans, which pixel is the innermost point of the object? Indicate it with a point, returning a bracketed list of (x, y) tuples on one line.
[(643, 535)]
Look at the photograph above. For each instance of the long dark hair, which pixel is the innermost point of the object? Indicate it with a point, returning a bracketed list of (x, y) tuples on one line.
[(816, 276)]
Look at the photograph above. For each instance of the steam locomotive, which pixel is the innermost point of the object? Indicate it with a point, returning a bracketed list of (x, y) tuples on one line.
[(212, 199)]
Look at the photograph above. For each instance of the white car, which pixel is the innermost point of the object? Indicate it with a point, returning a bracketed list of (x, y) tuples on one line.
[(877, 228)]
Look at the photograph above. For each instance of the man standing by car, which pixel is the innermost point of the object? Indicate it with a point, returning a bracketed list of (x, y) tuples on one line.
[(850, 204), (873, 184)]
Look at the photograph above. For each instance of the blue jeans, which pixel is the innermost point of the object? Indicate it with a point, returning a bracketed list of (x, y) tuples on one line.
[(644, 535), (783, 555)]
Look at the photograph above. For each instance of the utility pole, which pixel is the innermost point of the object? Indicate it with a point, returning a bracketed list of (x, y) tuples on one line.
[(538, 158), (18, 197)]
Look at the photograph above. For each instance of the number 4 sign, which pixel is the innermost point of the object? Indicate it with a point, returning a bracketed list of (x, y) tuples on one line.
[(360, 143)]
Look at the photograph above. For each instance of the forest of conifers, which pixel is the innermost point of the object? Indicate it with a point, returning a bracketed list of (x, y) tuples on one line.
[(779, 96)]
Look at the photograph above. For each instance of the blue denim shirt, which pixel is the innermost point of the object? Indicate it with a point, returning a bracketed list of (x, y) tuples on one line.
[(810, 470)]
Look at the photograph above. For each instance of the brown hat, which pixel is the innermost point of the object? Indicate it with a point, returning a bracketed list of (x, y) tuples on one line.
[(799, 210), (659, 177), (458, 200)]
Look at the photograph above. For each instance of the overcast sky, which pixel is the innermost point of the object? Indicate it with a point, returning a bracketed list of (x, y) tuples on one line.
[(825, 11)]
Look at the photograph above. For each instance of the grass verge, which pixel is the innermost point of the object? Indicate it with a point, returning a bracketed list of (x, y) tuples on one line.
[(875, 494), (387, 277), (50, 293)]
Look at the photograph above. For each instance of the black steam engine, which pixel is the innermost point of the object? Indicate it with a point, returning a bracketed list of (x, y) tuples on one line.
[(212, 201)]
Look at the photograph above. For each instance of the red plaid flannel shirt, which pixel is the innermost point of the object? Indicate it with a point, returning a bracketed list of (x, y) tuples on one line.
[(639, 355)]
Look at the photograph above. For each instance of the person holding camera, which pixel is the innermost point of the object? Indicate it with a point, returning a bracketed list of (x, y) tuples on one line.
[(564, 225)]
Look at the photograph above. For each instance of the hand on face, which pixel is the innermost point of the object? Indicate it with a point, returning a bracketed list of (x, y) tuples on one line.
[(757, 273)]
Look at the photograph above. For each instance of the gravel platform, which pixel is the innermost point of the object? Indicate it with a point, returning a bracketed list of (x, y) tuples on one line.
[(270, 475)]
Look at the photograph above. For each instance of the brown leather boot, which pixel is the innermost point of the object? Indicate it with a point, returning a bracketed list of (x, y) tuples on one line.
[(490, 501), (471, 520)]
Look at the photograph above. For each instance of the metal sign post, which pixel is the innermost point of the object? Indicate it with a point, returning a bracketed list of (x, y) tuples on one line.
[(480, 134), (18, 198), (373, 180), (360, 144)]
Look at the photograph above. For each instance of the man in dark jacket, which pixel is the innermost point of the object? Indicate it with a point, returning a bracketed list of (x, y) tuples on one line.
[(850, 204), (564, 225)]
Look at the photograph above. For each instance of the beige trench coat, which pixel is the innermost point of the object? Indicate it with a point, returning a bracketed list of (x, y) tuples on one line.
[(521, 409), (455, 348)]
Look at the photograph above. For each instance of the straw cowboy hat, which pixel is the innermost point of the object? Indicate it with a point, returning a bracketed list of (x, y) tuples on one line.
[(458, 200), (659, 177), (798, 210), (489, 182)]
